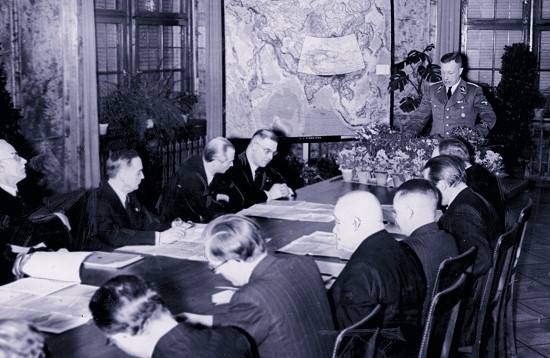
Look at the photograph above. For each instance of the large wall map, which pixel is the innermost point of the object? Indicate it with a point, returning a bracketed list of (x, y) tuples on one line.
[(307, 68)]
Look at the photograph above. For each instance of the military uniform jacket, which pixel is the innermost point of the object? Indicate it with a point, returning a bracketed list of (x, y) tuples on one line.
[(461, 110)]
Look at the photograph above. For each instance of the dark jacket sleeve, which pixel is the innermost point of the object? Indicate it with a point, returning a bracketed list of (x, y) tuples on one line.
[(420, 116)]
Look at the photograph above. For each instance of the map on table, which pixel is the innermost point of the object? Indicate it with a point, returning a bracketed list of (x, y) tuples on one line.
[(292, 210), (307, 68)]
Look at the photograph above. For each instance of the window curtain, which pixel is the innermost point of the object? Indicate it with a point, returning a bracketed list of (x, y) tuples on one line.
[(214, 76), (448, 27)]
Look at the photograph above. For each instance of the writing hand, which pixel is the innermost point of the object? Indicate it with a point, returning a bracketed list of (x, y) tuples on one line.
[(172, 235)]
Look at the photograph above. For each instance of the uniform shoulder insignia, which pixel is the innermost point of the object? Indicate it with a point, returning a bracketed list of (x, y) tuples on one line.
[(472, 84), (438, 88), (462, 89)]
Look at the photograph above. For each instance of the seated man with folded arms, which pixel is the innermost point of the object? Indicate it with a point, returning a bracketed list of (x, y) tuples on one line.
[(19, 339), (380, 271), (478, 178), (415, 204), (133, 316), (255, 179), (198, 192), (470, 219), (281, 302), (119, 218)]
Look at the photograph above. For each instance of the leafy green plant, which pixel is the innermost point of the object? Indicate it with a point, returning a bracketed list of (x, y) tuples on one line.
[(146, 96), (415, 70)]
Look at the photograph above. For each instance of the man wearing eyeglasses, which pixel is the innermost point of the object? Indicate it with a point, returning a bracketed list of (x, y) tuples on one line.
[(198, 192), (253, 176)]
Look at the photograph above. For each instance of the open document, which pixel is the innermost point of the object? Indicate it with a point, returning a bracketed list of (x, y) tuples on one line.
[(318, 243), (52, 306), (189, 248), (292, 210)]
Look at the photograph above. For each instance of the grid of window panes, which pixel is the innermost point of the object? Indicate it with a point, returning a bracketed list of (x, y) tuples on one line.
[(488, 27), (161, 32), (542, 38)]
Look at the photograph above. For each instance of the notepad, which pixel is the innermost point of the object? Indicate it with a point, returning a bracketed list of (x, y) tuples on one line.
[(111, 260)]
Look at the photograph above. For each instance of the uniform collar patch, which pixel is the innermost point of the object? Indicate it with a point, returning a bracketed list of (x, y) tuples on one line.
[(439, 88), (462, 89)]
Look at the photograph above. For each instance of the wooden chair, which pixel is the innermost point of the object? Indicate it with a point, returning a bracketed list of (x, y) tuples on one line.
[(491, 312), (354, 334), (508, 333), (453, 280)]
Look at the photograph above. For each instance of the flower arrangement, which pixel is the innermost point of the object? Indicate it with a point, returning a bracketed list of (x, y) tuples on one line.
[(347, 158), (382, 161), (469, 135), (491, 160)]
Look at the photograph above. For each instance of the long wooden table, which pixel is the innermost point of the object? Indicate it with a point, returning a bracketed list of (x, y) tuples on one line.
[(188, 285)]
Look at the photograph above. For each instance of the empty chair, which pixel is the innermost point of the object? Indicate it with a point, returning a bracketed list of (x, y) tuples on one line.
[(357, 337), (491, 310), (508, 333), (442, 328)]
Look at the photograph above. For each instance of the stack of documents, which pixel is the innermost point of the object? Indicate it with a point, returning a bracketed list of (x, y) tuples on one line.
[(292, 210), (318, 243), (52, 306)]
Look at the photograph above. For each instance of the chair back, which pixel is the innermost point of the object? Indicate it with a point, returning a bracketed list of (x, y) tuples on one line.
[(492, 299), (523, 218), (439, 329), (357, 334), (446, 311)]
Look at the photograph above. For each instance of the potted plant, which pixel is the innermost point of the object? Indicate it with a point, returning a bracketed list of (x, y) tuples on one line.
[(346, 162), (145, 100), (414, 71), (515, 98)]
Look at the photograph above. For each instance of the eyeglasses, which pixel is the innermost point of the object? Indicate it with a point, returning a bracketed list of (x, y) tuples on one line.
[(15, 157), (267, 151), (217, 267)]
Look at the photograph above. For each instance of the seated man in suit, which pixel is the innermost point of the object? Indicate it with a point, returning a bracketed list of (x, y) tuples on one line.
[(197, 191), (415, 204), (134, 318), (281, 302), (256, 180), (470, 219), (380, 271), (118, 217), (478, 178)]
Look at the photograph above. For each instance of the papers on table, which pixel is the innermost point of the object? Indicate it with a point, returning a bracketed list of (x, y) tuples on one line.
[(319, 243), (190, 248), (111, 260), (52, 306), (60, 265), (292, 210)]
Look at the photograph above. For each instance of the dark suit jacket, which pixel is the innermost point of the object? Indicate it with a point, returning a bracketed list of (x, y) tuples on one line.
[(380, 271), (486, 184), (189, 196), (241, 174), (116, 226), (473, 222), (186, 341), (432, 246), (284, 308), (7, 258)]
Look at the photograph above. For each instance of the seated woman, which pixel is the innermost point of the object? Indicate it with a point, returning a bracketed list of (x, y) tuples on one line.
[(19, 339), (134, 318)]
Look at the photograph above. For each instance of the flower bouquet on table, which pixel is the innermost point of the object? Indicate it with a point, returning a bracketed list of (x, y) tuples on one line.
[(492, 161), (381, 167), (364, 164), (399, 163), (469, 135), (346, 162)]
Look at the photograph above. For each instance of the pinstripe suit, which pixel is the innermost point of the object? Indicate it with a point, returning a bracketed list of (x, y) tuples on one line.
[(284, 307)]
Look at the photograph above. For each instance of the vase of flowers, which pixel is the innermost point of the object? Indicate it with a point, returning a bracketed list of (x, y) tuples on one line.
[(382, 164), (346, 161)]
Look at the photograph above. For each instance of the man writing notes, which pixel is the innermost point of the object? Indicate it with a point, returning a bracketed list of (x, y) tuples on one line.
[(281, 302), (119, 217), (256, 180), (380, 271), (452, 103), (198, 192)]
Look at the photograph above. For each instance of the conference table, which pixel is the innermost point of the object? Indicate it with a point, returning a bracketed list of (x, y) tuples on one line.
[(187, 286)]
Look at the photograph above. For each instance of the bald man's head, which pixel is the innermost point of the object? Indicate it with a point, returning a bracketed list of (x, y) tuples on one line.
[(358, 215)]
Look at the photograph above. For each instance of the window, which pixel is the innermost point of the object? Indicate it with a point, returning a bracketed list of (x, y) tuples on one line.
[(145, 36), (541, 40)]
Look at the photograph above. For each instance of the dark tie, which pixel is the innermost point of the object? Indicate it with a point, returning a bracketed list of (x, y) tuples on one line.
[(259, 177), (449, 93)]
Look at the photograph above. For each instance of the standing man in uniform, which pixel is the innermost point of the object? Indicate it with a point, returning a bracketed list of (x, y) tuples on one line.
[(453, 103)]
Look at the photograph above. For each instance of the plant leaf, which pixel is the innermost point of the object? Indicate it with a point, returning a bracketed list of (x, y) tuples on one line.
[(430, 73), (409, 104), (398, 81)]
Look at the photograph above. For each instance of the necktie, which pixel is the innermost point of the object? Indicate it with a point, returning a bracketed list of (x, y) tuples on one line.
[(259, 177), (449, 93)]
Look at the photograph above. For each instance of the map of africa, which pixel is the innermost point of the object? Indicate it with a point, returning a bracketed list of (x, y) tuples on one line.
[(307, 68)]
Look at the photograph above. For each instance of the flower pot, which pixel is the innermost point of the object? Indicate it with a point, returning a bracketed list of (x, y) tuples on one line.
[(363, 177), (398, 179), (347, 174), (381, 178), (103, 128)]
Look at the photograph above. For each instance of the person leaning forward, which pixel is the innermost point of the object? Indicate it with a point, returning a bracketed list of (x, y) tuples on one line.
[(465, 107)]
